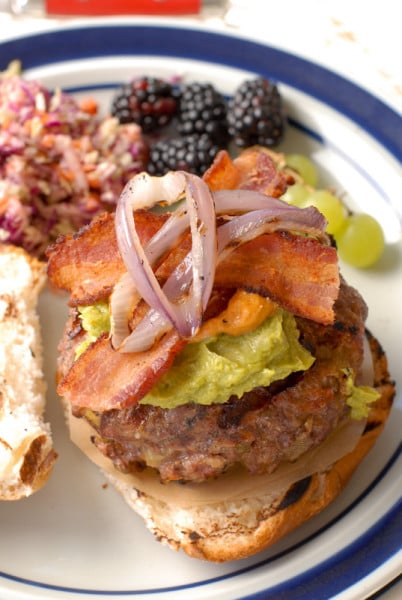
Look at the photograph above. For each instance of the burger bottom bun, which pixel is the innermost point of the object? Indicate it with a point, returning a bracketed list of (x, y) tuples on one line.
[(235, 529)]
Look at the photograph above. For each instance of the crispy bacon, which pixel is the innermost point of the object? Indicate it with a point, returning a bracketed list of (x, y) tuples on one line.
[(298, 273), (253, 169), (88, 264), (129, 376), (222, 174)]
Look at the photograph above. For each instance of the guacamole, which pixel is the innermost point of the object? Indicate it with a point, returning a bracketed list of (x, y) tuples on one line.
[(212, 370), (95, 320), (359, 397)]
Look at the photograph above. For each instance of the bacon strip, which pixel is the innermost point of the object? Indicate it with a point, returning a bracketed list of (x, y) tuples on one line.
[(88, 264), (298, 273), (251, 170), (129, 376)]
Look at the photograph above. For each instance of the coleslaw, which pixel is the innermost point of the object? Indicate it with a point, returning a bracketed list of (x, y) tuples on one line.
[(60, 162)]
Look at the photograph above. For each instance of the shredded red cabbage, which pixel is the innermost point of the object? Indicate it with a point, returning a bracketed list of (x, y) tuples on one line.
[(60, 164)]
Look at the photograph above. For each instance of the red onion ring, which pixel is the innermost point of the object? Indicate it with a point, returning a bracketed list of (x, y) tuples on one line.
[(144, 191), (123, 300), (303, 220), (152, 327), (244, 228), (245, 200), (185, 294)]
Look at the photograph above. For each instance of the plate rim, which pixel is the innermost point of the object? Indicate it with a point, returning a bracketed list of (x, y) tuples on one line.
[(377, 118), (361, 551)]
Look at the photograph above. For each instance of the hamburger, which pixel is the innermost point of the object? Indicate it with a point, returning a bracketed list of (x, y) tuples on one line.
[(215, 364)]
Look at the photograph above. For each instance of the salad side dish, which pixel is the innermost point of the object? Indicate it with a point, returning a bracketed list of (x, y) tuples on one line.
[(60, 164)]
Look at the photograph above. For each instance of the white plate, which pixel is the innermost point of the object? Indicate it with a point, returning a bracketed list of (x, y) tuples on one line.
[(76, 538)]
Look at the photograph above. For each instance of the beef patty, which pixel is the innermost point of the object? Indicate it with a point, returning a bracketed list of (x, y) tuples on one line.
[(259, 430)]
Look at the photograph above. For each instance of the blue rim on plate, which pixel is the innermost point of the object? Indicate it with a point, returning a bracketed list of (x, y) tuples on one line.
[(325, 580), (369, 551), (373, 115)]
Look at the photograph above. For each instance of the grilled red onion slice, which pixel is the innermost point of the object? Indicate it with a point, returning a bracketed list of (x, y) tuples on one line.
[(244, 228), (287, 217), (186, 292), (154, 325), (123, 300), (242, 201), (144, 191), (151, 328), (125, 297), (366, 377)]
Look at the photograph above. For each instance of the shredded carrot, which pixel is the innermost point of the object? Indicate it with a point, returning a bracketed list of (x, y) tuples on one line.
[(56, 145), (92, 202), (89, 105), (94, 182), (47, 140)]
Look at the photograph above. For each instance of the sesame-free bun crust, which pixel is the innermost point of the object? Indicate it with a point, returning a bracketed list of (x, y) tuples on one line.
[(234, 529), (26, 447)]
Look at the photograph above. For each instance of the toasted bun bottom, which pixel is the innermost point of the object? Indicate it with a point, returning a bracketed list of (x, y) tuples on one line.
[(230, 530)]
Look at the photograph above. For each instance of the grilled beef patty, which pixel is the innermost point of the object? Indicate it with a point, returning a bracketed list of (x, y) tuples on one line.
[(259, 430)]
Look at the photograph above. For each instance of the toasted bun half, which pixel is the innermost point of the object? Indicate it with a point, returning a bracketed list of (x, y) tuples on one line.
[(228, 530), (26, 448)]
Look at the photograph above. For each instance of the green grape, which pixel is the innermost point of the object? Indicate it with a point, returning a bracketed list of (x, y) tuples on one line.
[(361, 241), (330, 206), (304, 166), (296, 194)]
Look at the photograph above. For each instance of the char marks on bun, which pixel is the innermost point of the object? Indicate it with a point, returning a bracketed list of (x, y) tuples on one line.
[(26, 445)]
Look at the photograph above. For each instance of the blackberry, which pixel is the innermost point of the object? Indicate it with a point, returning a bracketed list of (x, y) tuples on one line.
[(202, 109), (148, 101), (193, 154), (255, 114)]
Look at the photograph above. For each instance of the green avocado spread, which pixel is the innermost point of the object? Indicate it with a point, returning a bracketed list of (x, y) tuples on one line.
[(212, 370), (359, 397), (95, 320)]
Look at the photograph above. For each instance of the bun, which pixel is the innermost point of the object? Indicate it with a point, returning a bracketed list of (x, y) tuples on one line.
[(26, 449), (233, 529)]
